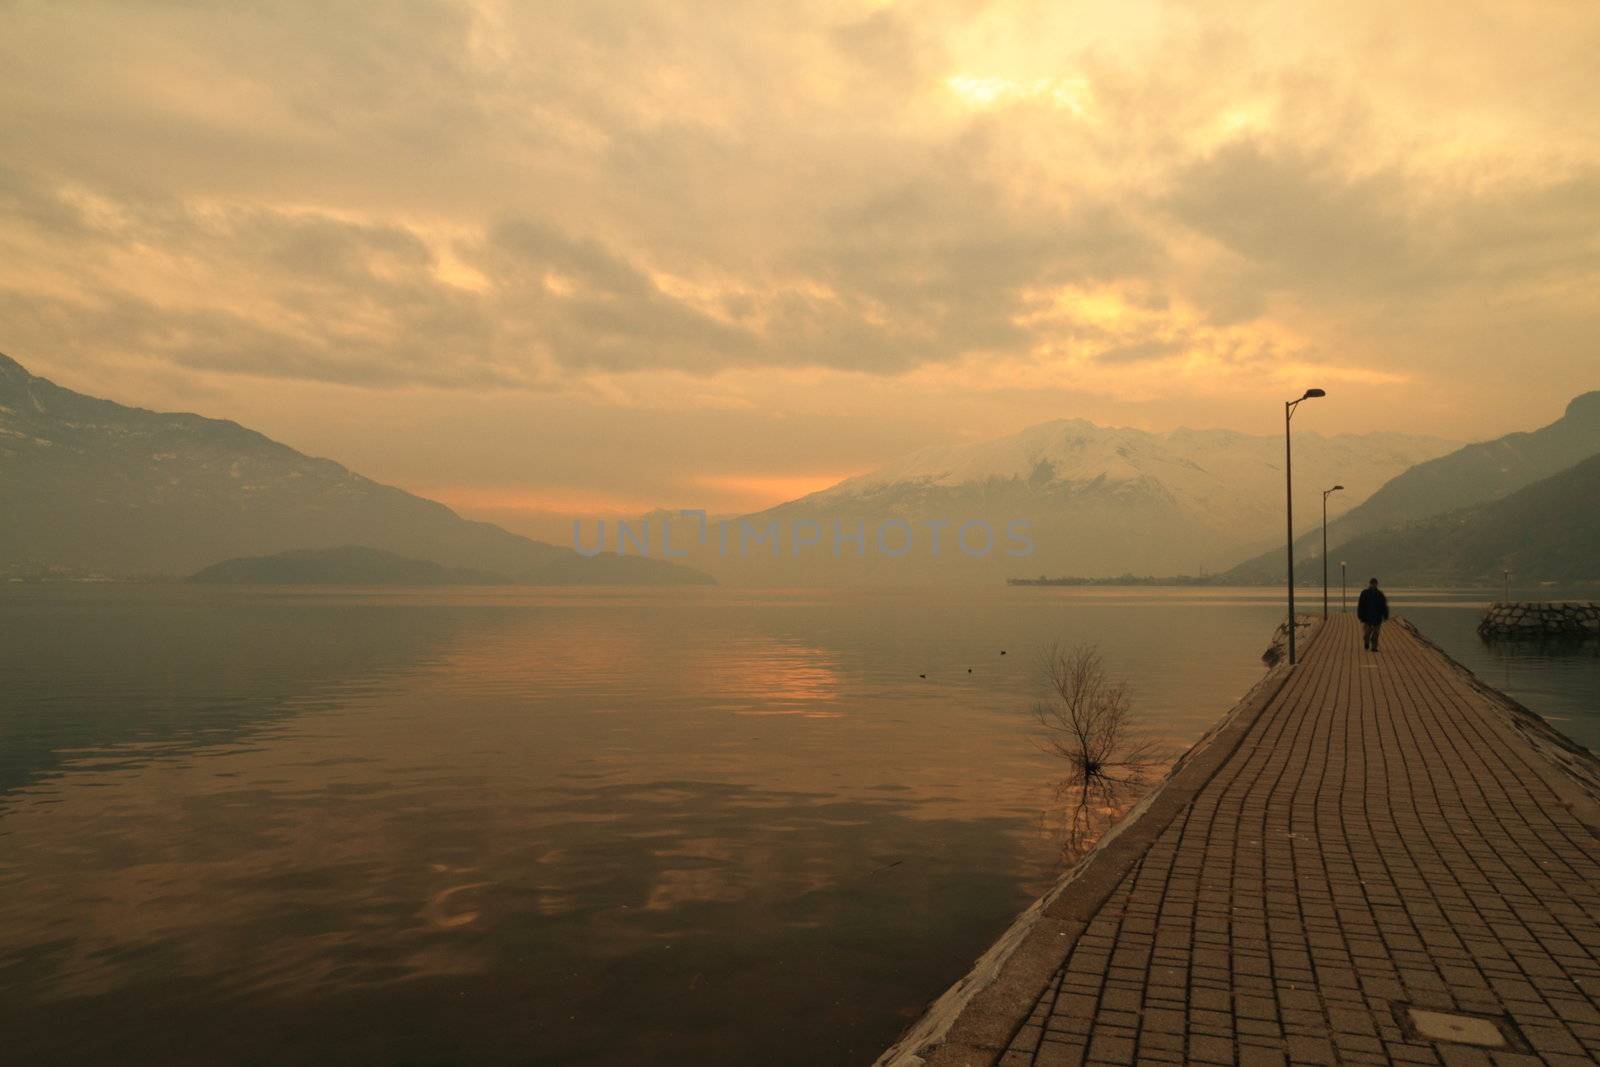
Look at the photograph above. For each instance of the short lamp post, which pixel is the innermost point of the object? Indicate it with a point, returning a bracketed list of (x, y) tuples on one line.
[(1344, 606), (1288, 480), (1325, 495)]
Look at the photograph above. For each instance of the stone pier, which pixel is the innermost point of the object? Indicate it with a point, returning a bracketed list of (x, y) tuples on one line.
[(1375, 859)]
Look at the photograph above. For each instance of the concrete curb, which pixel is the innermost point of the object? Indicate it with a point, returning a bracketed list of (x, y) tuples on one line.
[(974, 1021)]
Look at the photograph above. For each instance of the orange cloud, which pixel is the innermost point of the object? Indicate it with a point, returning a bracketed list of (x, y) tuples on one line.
[(514, 498), (764, 490), (724, 493)]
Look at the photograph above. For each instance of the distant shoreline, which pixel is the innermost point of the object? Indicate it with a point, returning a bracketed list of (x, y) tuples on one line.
[(1179, 581), (1123, 579)]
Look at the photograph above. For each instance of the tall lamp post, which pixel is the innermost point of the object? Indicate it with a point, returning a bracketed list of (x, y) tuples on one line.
[(1325, 494), (1288, 479)]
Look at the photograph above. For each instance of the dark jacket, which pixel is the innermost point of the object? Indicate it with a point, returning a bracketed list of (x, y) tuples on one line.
[(1373, 605)]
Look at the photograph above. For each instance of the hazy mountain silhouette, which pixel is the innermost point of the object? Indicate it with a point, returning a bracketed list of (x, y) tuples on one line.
[(1547, 531), (88, 483), (346, 565), (1097, 500), (1472, 474)]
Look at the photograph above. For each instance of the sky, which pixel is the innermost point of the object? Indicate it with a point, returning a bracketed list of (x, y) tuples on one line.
[(541, 260)]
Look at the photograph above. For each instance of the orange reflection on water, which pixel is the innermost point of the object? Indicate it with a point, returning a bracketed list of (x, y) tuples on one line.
[(756, 675), (773, 678)]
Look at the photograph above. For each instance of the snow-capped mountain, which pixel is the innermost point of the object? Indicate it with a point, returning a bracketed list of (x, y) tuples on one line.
[(1094, 501)]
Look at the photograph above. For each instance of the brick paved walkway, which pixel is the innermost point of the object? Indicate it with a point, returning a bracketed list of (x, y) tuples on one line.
[(1383, 839)]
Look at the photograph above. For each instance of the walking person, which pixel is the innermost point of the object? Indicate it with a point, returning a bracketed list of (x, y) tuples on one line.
[(1372, 609)]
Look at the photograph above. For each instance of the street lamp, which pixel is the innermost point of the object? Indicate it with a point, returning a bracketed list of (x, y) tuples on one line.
[(1344, 608), (1288, 479), (1325, 494)]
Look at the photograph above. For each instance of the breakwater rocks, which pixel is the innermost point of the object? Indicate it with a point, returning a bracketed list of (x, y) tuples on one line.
[(1541, 621)]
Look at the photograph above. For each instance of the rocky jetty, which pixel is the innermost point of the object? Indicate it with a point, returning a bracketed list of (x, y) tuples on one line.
[(1541, 620)]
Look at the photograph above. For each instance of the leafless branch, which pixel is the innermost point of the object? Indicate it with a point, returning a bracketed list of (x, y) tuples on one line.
[(1087, 720)]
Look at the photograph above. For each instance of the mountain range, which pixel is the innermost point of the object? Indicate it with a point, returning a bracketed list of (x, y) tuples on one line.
[(1473, 474), (1548, 531), (1095, 501), (91, 485)]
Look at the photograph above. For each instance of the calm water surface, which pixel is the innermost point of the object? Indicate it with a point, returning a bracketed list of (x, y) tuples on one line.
[(1560, 682), (707, 826)]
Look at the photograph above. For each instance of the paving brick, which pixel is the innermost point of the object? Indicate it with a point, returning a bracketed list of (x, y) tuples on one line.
[(1204, 1048), (1053, 1054), (1380, 837), (1107, 1048), (1251, 1056)]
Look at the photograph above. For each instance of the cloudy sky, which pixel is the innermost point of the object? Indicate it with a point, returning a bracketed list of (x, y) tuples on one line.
[(586, 257)]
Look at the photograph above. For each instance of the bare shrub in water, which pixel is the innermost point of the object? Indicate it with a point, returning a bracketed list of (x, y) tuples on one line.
[(1086, 716)]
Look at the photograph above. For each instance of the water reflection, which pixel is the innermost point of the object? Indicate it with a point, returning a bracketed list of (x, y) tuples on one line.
[(530, 946), (772, 678), (1086, 810), (1087, 722), (583, 826), (1560, 681), (115, 676)]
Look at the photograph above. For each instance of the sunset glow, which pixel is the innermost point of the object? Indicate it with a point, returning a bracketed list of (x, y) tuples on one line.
[(713, 247), (909, 532)]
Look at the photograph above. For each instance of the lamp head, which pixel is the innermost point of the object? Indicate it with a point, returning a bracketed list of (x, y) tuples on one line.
[(1307, 395), (1336, 488)]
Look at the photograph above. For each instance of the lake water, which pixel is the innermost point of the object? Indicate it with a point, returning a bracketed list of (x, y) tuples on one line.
[(575, 827)]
